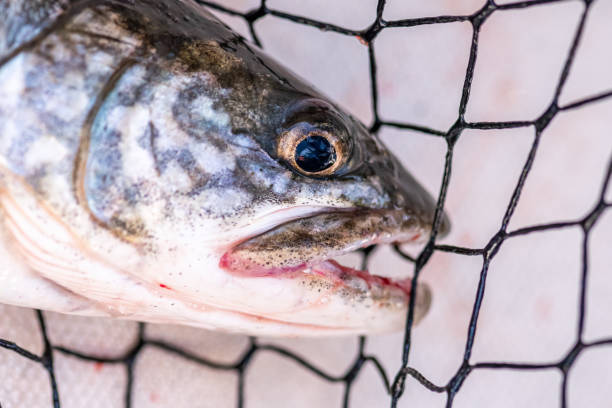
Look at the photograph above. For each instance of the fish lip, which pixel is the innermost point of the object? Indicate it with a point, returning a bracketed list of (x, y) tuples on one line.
[(314, 211), (325, 267)]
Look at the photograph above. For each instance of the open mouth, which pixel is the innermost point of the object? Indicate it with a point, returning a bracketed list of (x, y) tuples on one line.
[(304, 247), (331, 270)]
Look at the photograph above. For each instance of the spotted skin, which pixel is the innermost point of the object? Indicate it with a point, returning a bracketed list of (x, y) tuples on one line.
[(138, 144)]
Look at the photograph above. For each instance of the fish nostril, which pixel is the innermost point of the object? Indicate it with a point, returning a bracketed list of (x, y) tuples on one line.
[(399, 199)]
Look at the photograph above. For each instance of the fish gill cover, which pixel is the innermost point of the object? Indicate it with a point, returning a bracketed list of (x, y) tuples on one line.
[(395, 382)]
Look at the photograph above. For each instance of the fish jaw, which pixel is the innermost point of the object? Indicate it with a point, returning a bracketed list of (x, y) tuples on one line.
[(321, 236), (300, 250), (340, 291)]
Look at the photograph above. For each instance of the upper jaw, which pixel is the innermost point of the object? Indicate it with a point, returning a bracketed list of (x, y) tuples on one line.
[(297, 244)]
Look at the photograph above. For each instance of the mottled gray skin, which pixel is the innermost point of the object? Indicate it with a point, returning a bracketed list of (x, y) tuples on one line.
[(145, 113)]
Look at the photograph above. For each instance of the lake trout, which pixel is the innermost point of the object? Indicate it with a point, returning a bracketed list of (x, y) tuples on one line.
[(155, 166)]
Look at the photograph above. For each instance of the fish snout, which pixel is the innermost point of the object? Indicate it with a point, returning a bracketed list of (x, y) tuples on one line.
[(407, 196)]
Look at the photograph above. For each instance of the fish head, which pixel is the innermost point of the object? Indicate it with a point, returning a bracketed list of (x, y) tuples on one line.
[(336, 189), (214, 188), (254, 182)]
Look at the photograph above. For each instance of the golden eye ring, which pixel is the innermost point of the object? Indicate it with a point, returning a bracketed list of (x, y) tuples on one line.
[(311, 150)]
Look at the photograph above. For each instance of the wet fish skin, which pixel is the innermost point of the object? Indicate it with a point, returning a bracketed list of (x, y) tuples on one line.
[(138, 144)]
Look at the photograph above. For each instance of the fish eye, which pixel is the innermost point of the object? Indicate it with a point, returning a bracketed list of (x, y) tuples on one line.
[(314, 154), (313, 149)]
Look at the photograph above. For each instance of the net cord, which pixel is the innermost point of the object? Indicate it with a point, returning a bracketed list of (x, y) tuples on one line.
[(396, 387)]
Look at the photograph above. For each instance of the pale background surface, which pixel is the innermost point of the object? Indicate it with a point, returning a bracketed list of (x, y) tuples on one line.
[(530, 307)]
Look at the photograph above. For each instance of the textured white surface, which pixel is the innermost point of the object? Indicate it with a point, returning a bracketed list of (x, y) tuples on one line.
[(530, 306)]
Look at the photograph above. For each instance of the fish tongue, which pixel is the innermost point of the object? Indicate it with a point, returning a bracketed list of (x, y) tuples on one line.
[(244, 266)]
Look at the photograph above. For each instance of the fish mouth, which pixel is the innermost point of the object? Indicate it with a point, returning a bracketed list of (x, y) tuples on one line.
[(304, 248)]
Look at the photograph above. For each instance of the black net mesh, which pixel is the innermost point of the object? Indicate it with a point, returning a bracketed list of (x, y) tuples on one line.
[(395, 382)]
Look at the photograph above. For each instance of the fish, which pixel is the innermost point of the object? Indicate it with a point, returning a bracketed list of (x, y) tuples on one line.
[(156, 166)]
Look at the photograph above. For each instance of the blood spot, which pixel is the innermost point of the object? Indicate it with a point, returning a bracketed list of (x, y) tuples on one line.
[(154, 397)]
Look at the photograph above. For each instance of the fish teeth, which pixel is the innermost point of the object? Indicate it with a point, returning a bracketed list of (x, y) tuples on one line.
[(356, 283), (378, 291), (397, 295)]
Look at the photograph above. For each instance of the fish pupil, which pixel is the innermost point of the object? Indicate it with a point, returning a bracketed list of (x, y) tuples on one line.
[(315, 154)]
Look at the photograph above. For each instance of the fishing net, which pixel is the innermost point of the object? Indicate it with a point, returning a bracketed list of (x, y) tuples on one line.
[(34, 341)]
